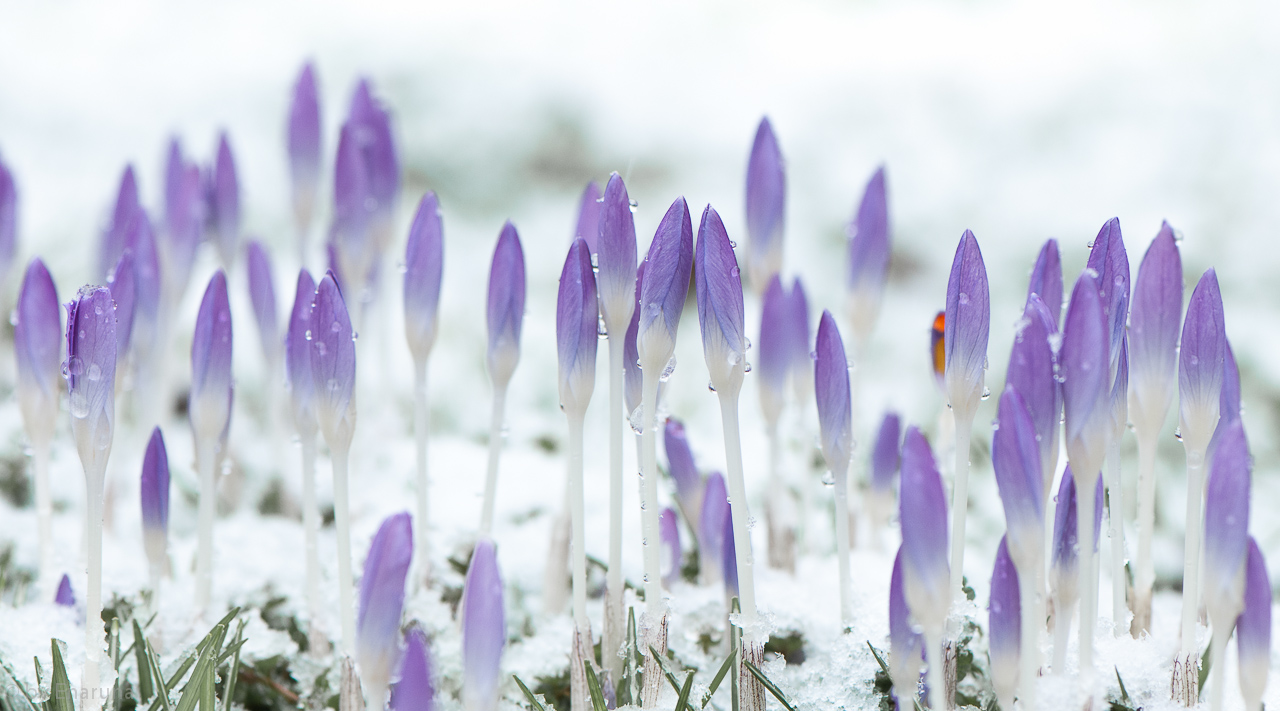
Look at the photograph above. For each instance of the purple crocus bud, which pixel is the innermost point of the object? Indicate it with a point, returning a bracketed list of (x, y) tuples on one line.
[(665, 285), (373, 134), (90, 370), (64, 596), (381, 602), (1046, 280), (1155, 318), (148, 282), (225, 201), (775, 362), (350, 241), (869, 255), (887, 453), (1004, 640), (1226, 524), (484, 630), (297, 358), (1229, 405), (333, 364), (617, 256), (120, 281), (211, 384), (1120, 392), (577, 319), (1110, 262), (8, 218), (729, 551), (303, 138), (37, 345), (155, 501), (183, 215), (831, 388), (506, 305), (262, 293), (801, 344), (766, 206), (1200, 360), (1086, 381), (424, 268), (1015, 456), (633, 379), (906, 645), (672, 556), (1253, 629), (125, 212), (720, 310), (711, 529), (968, 324), (588, 226), (681, 467), (923, 516), (1031, 372), (414, 691), (1064, 564)]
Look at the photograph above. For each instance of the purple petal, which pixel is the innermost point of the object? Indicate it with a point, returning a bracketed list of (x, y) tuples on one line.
[(8, 218), (1226, 520), (226, 200), (506, 304), (262, 293), (1253, 627), (680, 464), (1200, 360), (64, 596), (666, 283), (1031, 372), (869, 239), (831, 389), (617, 255), (90, 370), (372, 124), (333, 359), (577, 328), (1229, 406), (424, 269), (126, 209), (1046, 280), (414, 691), (906, 645), (775, 358), (633, 378), (1015, 456), (672, 557), (887, 454), (588, 226), (304, 131), (1086, 381), (729, 553), (382, 599), (1154, 321), (766, 205), (801, 342), (353, 205), (1005, 630), (1120, 391), (1066, 555), (211, 384), (148, 282), (711, 530), (37, 342), (484, 630), (183, 214), (121, 282), (923, 516), (297, 356), (720, 310), (155, 485), (1109, 260), (968, 324)]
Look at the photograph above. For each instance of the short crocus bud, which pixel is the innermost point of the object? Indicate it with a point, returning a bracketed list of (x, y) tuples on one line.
[(225, 201), (923, 517), (211, 385), (887, 453), (712, 531), (774, 364), (869, 256), (1015, 456), (831, 389), (720, 310), (184, 216), (155, 502), (968, 324), (1200, 360), (683, 470), (588, 226), (633, 378), (424, 268), (1031, 372), (616, 246), (148, 283), (766, 206), (372, 124), (333, 364), (906, 645), (1086, 382), (506, 305), (303, 142), (665, 285), (37, 345), (116, 237), (297, 357), (262, 294), (801, 344), (729, 554), (1064, 564), (351, 246), (1046, 280), (1154, 320), (8, 218), (65, 597), (91, 376), (414, 691), (1253, 629), (672, 556), (381, 602), (577, 319), (1229, 401), (1004, 640), (484, 630), (1226, 525)]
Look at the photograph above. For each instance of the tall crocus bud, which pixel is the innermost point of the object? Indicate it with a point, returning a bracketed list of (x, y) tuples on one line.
[(484, 630), (617, 256), (801, 348), (372, 123), (381, 602), (632, 376), (184, 216), (1064, 564), (1229, 406), (672, 556), (414, 691), (835, 421), (116, 237), (774, 364), (1086, 382), (64, 597), (869, 257), (926, 575), (1226, 545), (211, 386), (711, 530), (333, 363), (148, 278), (576, 329), (665, 285), (588, 226), (720, 310), (225, 201), (91, 370), (352, 251), (1253, 629), (968, 323), (1015, 456), (1046, 280), (906, 645), (766, 206), (1201, 357), (1109, 260), (683, 470), (1154, 321), (886, 454), (297, 357), (120, 281), (37, 344), (506, 305), (262, 293), (1005, 629), (1031, 372), (155, 505), (303, 142), (424, 267), (8, 218)]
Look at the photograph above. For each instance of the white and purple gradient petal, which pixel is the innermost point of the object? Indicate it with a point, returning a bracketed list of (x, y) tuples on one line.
[(1253, 629), (382, 600), (424, 269), (886, 456), (414, 691), (1031, 372), (225, 201), (906, 644), (1004, 630), (923, 516), (64, 596), (1110, 262), (184, 218), (333, 363), (588, 226), (1226, 523), (506, 305), (484, 630), (682, 468), (90, 370), (37, 345), (116, 236), (967, 326), (1085, 377), (616, 252), (720, 308), (1229, 405), (1046, 280), (1064, 562), (303, 136), (376, 143), (262, 294), (121, 282), (633, 378), (831, 391), (1200, 363), (297, 357), (667, 267), (1155, 318), (729, 553), (774, 361), (1015, 457), (766, 206), (8, 218), (211, 383), (577, 324), (672, 556), (801, 344), (711, 529), (869, 252), (155, 501)]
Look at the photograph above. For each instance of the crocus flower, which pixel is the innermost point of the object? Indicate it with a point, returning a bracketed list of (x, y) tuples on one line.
[(381, 602), (775, 362), (211, 384), (303, 142), (1015, 456), (1154, 320), (37, 344), (577, 318), (1119, 398), (1200, 360), (372, 125), (1086, 381), (729, 554), (116, 237), (1046, 280), (968, 323), (1031, 372), (923, 515), (424, 267), (711, 529), (225, 201), (1229, 399), (633, 379), (616, 245), (64, 596), (484, 630), (1064, 567), (720, 310), (1004, 633), (506, 305), (90, 370), (672, 556), (1226, 525), (297, 357), (351, 246), (683, 470), (414, 691), (665, 285), (262, 293), (148, 283), (869, 255), (333, 364), (8, 218), (766, 206), (1253, 629), (588, 226), (887, 452), (184, 216), (801, 340), (155, 501), (1110, 262), (906, 645), (831, 387)]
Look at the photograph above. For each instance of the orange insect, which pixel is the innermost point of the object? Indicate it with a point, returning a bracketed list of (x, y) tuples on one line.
[(937, 346)]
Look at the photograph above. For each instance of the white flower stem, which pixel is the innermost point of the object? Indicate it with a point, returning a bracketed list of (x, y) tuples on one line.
[(1115, 519), (613, 609), (311, 524), (206, 463), (93, 632), (1191, 562), (1145, 572), (1061, 634), (1088, 576), (1221, 635), (495, 450), (740, 513), (579, 528), (342, 521), (653, 602), (1029, 584), (44, 515), (842, 547), (959, 501), (937, 685), (421, 423)]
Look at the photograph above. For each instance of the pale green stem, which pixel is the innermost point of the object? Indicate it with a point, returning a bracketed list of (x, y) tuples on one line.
[(740, 513), (342, 521), (579, 528), (959, 501), (1032, 620), (44, 514), (311, 526), (1115, 519), (1191, 562), (1061, 635), (653, 602), (495, 451), (1088, 575), (1145, 572), (1218, 650), (614, 622), (421, 424), (93, 634), (206, 463), (937, 686), (842, 548)]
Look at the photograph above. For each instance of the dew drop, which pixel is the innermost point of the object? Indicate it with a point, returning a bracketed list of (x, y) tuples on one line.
[(735, 272), (79, 405), (828, 479), (1195, 359), (333, 385), (667, 370), (813, 356), (595, 262), (335, 327), (636, 420), (95, 372), (601, 330), (97, 309), (307, 335), (746, 342), (746, 368), (320, 347), (75, 366), (102, 439), (964, 299), (401, 266), (711, 386), (986, 393), (13, 318)]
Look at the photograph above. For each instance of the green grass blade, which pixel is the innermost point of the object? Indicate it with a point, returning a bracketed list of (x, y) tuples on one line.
[(13, 677), (145, 688), (195, 685), (769, 685), (60, 688), (234, 671), (533, 699), (162, 692), (683, 702), (593, 685), (719, 677)]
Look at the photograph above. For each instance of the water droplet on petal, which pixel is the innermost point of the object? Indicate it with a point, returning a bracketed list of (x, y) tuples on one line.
[(75, 366), (79, 405), (964, 299), (335, 327), (667, 370), (636, 420), (711, 386), (828, 479), (735, 272), (95, 372)]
